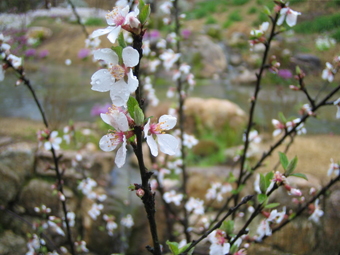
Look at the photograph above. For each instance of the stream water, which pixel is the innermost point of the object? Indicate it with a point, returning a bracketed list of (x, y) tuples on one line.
[(65, 93)]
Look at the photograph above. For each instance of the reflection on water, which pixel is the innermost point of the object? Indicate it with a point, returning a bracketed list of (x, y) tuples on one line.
[(65, 93)]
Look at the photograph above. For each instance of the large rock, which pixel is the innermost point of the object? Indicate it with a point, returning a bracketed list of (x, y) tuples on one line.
[(38, 192), (12, 244), (246, 77), (19, 158), (10, 184), (213, 114), (307, 62), (206, 55)]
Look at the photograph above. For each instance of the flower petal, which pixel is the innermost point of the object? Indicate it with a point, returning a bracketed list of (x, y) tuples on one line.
[(102, 80), (130, 57), (119, 93), (108, 55), (116, 119), (276, 132), (101, 31), (121, 154), (168, 144), (113, 35), (106, 144), (132, 82), (146, 128), (152, 145), (292, 17), (167, 122)]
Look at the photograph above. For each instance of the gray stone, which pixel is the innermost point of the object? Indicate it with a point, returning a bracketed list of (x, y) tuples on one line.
[(12, 244), (19, 158), (307, 61), (10, 184), (246, 77), (204, 51)]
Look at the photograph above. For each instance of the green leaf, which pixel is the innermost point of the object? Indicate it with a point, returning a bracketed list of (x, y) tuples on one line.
[(141, 5), (132, 138), (303, 176), (238, 190), (292, 216), (267, 11), (282, 117), (146, 120), (144, 14), (228, 226), (268, 178), (139, 115), (298, 70), (186, 247), (263, 187), (272, 205), (284, 160), (231, 178), (173, 247), (121, 40), (131, 106), (291, 166), (119, 51), (262, 198), (233, 249)]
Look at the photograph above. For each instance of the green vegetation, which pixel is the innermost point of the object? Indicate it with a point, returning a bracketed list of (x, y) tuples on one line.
[(227, 24), (239, 2), (252, 10), (319, 25), (210, 20), (203, 9), (235, 16), (94, 21), (336, 35)]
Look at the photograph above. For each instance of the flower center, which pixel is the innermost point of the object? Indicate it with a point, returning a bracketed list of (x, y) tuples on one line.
[(115, 16), (157, 129), (115, 138), (117, 71)]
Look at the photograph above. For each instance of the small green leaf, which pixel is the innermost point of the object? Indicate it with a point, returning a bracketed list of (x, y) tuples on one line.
[(228, 226), (284, 160), (298, 70), (267, 11), (146, 120), (144, 14), (131, 106), (233, 249), (132, 138), (272, 205), (269, 177), (262, 198), (292, 216), (141, 5), (263, 187), (173, 247), (282, 117), (121, 40), (299, 175), (119, 51), (139, 115), (291, 166), (231, 178), (186, 247)]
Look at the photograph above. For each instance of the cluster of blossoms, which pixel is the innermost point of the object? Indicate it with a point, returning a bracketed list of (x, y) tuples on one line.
[(288, 126), (272, 217), (51, 139), (331, 69), (324, 43), (6, 55), (217, 191), (279, 179)]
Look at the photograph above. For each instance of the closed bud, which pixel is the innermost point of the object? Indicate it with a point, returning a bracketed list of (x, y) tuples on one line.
[(140, 193)]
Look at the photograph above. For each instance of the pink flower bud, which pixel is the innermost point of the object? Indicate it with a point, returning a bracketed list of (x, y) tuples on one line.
[(296, 192), (292, 87), (140, 193), (295, 201)]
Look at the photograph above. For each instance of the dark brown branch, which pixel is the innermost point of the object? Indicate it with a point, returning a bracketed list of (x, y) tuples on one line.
[(149, 197)]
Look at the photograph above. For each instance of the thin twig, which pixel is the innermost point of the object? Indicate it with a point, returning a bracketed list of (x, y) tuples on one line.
[(78, 18)]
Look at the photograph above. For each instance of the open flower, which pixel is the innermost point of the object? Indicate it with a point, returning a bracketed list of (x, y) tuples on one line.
[(117, 19), (169, 57), (53, 141), (337, 103), (278, 127), (328, 73), (317, 213), (289, 15), (168, 144), (334, 167), (112, 139), (112, 79), (218, 246)]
